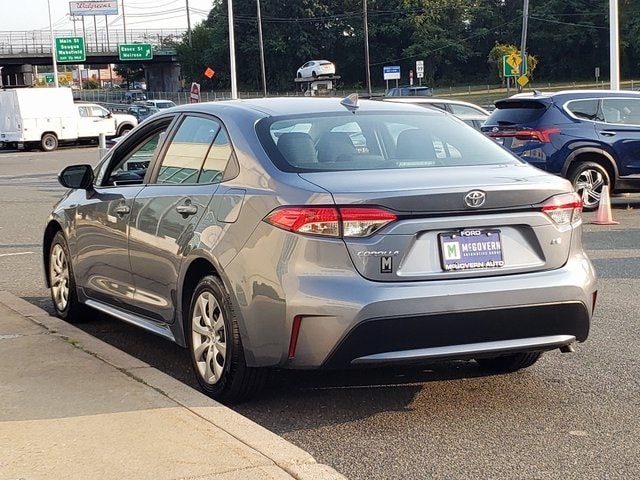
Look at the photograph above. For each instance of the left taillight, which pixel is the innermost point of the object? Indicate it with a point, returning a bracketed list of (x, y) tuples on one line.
[(331, 221), (564, 209)]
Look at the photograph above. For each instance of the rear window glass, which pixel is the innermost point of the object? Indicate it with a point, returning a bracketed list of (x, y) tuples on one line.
[(516, 113), (375, 140)]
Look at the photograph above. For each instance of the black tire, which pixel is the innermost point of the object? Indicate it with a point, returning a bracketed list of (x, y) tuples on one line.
[(314, 74), (124, 130), (587, 179), (215, 346), (509, 363), (62, 282), (48, 142), (299, 75)]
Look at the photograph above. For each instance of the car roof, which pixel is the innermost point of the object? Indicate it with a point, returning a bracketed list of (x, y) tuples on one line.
[(279, 106), (574, 94)]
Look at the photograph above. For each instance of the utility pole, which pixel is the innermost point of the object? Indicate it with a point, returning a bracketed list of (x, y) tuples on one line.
[(264, 73), (366, 45), (188, 22), (124, 24), (53, 48), (523, 40)]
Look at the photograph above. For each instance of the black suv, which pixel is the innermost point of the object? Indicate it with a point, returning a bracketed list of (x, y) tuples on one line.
[(590, 137), (410, 91)]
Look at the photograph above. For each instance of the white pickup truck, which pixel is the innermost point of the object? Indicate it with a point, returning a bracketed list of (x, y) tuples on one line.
[(47, 117)]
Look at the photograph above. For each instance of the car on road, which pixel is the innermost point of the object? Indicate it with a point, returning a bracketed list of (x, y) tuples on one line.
[(131, 96), (410, 91), (316, 68), (591, 137), (470, 113), (142, 112), (321, 234), (94, 114), (161, 103)]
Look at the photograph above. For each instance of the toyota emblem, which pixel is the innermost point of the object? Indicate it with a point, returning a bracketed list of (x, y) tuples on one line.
[(475, 198)]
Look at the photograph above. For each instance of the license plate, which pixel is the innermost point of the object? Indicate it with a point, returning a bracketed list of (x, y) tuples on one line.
[(470, 250)]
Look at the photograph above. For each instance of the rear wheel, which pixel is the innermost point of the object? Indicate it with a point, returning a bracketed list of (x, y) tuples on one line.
[(588, 178), (48, 142), (62, 282), (216, 349), (509, 363), (124, 130)]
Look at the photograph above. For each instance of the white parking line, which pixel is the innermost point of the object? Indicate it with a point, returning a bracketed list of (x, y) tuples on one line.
[(17, 253)]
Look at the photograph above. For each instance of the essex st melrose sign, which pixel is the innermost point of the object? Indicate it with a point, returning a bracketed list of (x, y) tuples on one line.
[(70, 49), (135, 51)]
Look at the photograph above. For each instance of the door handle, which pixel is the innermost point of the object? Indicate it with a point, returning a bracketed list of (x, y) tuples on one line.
[(608, 133), (187, 209), (122, 209)]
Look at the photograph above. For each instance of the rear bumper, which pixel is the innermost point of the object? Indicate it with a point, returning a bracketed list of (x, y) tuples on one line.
[(462, 334), (347, 320)]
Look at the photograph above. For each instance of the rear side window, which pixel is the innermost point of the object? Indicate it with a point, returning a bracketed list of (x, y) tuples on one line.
[(585, 109), (516, 113)]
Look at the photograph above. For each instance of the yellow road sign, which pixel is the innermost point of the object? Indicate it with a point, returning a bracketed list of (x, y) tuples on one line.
[(514, 61), (523, 80)]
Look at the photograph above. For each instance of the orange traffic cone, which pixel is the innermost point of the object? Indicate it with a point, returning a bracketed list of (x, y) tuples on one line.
[(603, 215)]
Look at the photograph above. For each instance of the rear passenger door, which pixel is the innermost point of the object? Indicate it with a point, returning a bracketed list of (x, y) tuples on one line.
[(620, 129), (166, 212)]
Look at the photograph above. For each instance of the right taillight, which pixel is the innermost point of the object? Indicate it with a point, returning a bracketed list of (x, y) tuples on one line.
[(564, 209)]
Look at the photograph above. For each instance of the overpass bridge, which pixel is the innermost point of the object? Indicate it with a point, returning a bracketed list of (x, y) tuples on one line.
[(21, 52)]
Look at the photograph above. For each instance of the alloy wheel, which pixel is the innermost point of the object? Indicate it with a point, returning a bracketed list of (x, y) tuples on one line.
[(59, 277), (589, 185), (209, 338)]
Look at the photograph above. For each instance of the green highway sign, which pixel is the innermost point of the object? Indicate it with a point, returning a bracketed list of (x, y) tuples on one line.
[(135, 51), (70, 49), (49, 78)]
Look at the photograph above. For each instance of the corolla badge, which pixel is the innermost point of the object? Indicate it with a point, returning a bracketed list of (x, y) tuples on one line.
[(495, 129), (475, 198)]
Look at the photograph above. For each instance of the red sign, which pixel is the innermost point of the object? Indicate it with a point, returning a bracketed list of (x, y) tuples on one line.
[(194, 95), (209, 72)]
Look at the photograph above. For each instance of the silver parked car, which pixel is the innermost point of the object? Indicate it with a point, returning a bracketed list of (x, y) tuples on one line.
[(317, 233)]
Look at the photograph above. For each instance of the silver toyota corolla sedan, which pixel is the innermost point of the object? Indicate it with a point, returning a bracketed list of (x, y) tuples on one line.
[(322, 233)]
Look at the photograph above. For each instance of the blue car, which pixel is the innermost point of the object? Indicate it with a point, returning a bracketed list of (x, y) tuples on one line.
[(590, 137)]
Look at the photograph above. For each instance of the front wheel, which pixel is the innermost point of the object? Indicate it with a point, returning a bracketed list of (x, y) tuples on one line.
[(509, 363), (587, 179), (62, 281), (48, 142), (216, 349)]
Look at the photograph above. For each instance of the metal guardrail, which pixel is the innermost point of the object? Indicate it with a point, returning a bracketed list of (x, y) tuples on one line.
[(38, 42)]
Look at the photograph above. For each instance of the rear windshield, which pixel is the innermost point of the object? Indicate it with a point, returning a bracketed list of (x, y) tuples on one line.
[(516, 113), (375, 140)]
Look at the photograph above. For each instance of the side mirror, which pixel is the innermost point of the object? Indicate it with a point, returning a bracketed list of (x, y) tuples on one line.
[(76, 177)]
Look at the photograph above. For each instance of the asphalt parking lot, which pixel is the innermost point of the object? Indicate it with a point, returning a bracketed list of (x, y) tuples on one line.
[(571, 416)]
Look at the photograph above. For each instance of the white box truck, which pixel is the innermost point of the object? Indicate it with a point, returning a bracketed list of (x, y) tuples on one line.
[(47, 117)]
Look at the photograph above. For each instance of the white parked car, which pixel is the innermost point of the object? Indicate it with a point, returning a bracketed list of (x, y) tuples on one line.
[(161, 103), (316, 68)]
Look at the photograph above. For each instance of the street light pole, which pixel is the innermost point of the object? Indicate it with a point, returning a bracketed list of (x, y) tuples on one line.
[(366, 45), (53, 48), (232, 52), (264, 73), (614, 49)]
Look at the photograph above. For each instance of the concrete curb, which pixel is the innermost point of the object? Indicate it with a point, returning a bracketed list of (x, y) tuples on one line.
[(293, 460)]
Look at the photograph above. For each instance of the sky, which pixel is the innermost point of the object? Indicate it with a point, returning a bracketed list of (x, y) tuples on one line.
[(21, 15)]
